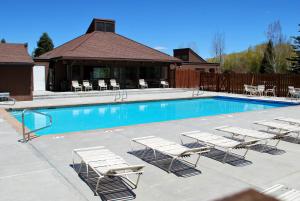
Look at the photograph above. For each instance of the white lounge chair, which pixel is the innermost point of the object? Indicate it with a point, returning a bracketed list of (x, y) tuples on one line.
[(250, 90), (169, 148), (280, 128), (164, 84), (261, 90), (271, 91), (143, 84), (102, 85), (106, 164), (283, 193), (87, 85), (289, 120), (114, 85), (76, 86), (249, 133), (212, 140), (293, 92)]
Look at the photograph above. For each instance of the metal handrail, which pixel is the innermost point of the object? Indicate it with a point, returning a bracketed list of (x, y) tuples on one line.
[(121, 96), (196, 91), (26, 135)]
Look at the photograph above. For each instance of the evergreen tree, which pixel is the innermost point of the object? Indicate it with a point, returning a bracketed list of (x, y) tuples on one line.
[(44, 45), (267, 63), (295, 60), (3, 40)]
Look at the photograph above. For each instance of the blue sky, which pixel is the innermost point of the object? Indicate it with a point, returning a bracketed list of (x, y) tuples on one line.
[(162, 24)]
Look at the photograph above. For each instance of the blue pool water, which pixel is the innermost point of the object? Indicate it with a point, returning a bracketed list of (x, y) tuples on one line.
[(72, 119)]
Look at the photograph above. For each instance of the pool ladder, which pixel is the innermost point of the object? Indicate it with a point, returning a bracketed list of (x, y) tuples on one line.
[(26, 135), (121, 95), (198, 91)]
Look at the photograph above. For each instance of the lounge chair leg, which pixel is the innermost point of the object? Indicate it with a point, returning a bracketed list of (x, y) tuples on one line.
[(199, 155), (244, 156), (170, 166), (224, 159)]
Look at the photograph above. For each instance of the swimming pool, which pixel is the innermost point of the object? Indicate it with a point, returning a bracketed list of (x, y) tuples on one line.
[(80, 118)]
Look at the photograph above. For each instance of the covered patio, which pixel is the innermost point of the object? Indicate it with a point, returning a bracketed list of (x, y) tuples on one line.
[(126, 73), (102, 54)]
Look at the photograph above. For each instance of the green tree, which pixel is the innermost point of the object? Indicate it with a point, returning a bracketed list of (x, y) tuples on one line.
[(295, 58), (267, 63), (44, 45), (3, 40)]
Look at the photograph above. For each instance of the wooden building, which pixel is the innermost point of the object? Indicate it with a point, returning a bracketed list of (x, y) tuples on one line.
[(191, 59), (103, 54), (16, 71)]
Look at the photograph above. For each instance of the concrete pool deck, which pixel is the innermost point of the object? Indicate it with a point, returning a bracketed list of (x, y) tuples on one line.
[(41, 169)]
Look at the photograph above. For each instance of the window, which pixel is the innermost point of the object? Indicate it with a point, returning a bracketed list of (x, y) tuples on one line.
[(101, 73), (100, 26), (109, 27), (105, 26)]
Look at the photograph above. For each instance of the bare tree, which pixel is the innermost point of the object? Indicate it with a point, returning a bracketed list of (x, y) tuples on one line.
[(274, 32), (218, 47), (280, 47)]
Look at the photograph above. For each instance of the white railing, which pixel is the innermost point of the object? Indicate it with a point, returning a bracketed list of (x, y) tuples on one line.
[(121, 95), (198, 91), (26, 135)]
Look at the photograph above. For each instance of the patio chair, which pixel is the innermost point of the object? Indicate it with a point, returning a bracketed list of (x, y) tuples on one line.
[(102, 85), (261, 90), (280, 128), (143, 84), (164, 84), (212, 140), (76, 86), (87, 85), (6, 99), (293, 92), (105, 164), (283, 193), (271, 91), (171, 149), (114, 85), (250, 90)]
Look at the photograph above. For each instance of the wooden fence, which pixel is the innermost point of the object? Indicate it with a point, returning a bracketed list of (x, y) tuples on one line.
[(233, 82)]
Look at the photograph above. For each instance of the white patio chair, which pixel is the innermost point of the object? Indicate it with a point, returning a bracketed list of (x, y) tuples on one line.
[(164, 84), (87, 85), (114, 85), (76, 86), (249, 133), (293, 92), (143, 84), (102, 85), (169, 148), (283, 193), (271, 91), (250, 90), (105, 164), (261, 90), (212, 140)]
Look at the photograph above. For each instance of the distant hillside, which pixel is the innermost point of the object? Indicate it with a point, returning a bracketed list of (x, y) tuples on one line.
[(250, 59)]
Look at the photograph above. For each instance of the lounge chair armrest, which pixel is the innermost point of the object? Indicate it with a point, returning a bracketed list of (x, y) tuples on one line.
[(195, 151), (248, 143), (88, 148), (133, 169), (141, 138)]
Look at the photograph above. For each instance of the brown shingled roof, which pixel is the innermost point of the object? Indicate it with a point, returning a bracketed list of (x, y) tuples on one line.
[(106, 46), (14, 54)]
